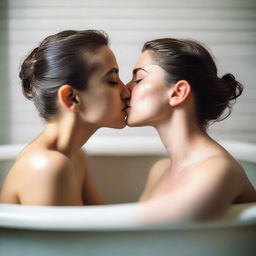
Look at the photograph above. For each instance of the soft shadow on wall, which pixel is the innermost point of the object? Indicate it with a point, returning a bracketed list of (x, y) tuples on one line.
[(4, 74), (4, 81)]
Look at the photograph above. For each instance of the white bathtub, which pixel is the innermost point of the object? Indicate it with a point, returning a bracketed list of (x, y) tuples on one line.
[(115, 229)]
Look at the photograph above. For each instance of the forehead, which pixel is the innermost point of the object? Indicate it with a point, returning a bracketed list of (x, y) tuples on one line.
[(105, 58), (144, 60)]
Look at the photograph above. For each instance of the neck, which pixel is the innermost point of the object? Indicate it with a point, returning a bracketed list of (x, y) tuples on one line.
[(183, 140), (67, 135)]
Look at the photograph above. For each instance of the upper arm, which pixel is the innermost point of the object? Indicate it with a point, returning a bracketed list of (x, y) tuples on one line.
[(211, 190), (48, 180)]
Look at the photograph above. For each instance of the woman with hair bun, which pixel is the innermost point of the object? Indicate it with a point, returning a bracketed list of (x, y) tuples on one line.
[(72, 78), (176, 89)]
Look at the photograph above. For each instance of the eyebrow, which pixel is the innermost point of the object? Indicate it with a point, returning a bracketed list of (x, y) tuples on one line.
[(112, 70), (134, 72)]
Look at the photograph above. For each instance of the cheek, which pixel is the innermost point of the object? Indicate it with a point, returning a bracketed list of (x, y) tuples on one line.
[(100, 105), (113, 99), (111, 106), (146, 96), (142, 93), (149, 103)]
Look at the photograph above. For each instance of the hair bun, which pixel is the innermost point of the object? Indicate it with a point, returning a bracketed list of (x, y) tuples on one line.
[(27, 73), (27, 88), (228, 77), (232, 86)]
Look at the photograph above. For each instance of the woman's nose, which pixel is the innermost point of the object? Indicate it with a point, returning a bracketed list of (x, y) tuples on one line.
[(130, 86), (125, 93)]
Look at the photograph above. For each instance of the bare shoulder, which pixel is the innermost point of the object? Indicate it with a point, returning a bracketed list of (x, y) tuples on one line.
[(221, 174), (207, 189), (164, 162), (236, 175), (37, 171), (44, 166), (219, 165), (157, 170), (155, 174), (46, 161), (159, 167)]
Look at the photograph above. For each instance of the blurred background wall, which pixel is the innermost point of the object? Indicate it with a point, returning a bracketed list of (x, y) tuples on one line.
[(227, 27), (4, 75)]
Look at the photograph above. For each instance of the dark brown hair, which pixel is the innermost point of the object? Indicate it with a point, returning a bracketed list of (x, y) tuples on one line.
[(189, 60), (62, 58)]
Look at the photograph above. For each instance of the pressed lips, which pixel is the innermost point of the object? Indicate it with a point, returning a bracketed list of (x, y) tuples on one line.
[(127, 105)]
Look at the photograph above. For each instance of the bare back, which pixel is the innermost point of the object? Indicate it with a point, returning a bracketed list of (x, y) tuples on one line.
[(41, 176)]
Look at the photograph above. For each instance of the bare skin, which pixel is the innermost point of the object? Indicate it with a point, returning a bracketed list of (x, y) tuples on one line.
[(47, 177), (203, 190), (52, 169), (200, 179)]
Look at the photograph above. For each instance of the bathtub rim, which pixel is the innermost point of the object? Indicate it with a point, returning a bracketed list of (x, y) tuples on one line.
[(137, 146), (119, 217)]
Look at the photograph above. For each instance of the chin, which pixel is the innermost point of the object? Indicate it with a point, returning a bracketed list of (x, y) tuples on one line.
[(118, 125), (121, 126), (140, 121), (134, 123)]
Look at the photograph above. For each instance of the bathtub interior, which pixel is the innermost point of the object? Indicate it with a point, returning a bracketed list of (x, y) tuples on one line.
[(121, 178), (250, 169)]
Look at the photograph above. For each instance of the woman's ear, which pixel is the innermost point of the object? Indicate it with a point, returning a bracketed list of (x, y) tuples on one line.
[(68, 97), (179, 92)]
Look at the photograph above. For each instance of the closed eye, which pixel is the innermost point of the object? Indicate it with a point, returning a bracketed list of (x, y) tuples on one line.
[(112, 82), (137, 81)]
